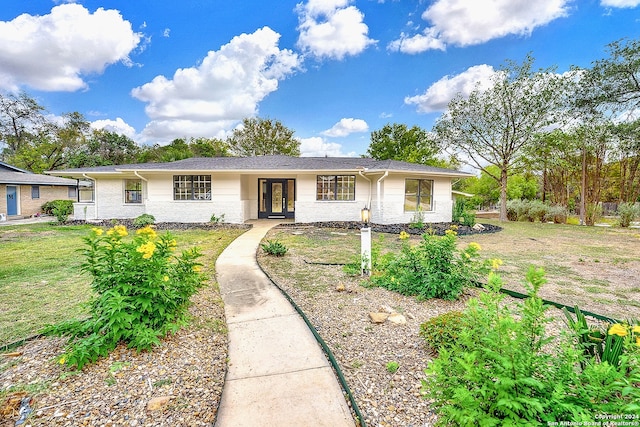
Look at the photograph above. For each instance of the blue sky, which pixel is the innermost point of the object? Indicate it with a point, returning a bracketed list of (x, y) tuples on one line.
[(332, 70)]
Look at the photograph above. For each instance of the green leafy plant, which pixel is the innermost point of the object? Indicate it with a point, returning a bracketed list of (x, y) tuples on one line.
[(461, 215), (274, 247), (144, 220), (392, 367), (142, 292), (435, 268), (65, 205), (417, 221), (628, 212), (442, 331), (557, 214), (216, 219), (503, 370)]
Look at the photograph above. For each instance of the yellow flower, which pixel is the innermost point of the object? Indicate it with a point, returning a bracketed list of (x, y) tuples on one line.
[(451, 233), (148, 232), (146, 249), (197, 268), (404, 235), (97, 231), (467, 255), (62, 360), (121, 230), (636, 329), (110, 232), (172, 244), (496, 263), (165, 278), (474, 246), (619, 330)]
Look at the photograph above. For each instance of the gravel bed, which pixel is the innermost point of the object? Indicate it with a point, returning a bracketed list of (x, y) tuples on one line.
[(178, 384)]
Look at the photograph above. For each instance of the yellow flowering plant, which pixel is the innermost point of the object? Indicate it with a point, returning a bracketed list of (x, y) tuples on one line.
[(142, 291)]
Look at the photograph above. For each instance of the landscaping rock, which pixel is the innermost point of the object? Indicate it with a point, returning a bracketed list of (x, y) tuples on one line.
[(397, 318), (340, 287), (158, 403), (378, 317)]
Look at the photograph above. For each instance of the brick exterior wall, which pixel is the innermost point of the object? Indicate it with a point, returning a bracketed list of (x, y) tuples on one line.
[(27, 206)]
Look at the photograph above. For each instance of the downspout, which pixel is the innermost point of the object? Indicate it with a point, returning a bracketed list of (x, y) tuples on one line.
[(140, 176), (95, 194), (369, 199), (386, 174)]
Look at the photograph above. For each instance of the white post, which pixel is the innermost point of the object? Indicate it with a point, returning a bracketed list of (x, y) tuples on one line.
[(365, 250)]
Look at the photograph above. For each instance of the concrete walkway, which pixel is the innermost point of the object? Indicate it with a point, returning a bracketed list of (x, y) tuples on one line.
[(278, 375)]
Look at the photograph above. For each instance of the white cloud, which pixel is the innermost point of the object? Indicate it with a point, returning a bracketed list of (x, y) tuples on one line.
[(620, 3), (332, 29), (438, 95), (208, 99), (465, 23), (52, 52), (166, 32), (318, 147), (346, 127), (117, 126)]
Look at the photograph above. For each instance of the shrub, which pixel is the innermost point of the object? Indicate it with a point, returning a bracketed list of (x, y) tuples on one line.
[(502, 371), (435, 268), (461, 215), (141, 289), (557, 214), (144, 220), (61, 209), (442, 331), (628, 212), (536, 210), (274, 247), (516, 210), (593, 213)]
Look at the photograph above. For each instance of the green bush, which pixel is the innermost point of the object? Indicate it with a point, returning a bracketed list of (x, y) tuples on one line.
[(557, 214), (58, 208), (536, 210), (442, 331), (141, 289), (628, 212), (144, 220), (435, 268), (274, 247), (502, 370), (461, 215)]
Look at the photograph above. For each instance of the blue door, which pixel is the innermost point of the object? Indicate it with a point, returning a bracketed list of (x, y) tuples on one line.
[(12, 200)]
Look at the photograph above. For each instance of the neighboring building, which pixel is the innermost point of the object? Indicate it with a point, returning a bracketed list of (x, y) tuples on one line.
[(22, 193), (306, 189)]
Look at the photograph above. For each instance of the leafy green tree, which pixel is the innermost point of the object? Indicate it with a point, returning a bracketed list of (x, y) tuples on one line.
[(398, 142), (104, 147), (493, 126), (209, 147), (259, 137), (20, 117)]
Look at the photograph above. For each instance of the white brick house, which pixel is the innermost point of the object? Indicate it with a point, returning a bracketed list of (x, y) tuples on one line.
[(306, 189)]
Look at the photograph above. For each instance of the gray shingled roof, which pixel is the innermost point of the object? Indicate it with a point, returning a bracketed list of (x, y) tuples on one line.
[(269, 163), (21, 178)]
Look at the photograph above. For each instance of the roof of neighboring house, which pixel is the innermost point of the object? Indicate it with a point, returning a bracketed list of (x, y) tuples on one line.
[(12, 175), (22, 178), (269, 163)]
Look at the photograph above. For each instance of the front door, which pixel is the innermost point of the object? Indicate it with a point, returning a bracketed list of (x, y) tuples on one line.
[(12, 200), (277, 198)]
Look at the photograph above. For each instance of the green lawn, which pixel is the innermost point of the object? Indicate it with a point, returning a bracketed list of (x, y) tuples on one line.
[(40, 277)]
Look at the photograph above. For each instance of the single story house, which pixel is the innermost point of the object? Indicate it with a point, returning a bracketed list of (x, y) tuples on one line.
[(22, 193), (305, 189)]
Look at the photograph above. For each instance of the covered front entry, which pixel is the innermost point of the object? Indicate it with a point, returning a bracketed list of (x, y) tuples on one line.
[(276, 197)]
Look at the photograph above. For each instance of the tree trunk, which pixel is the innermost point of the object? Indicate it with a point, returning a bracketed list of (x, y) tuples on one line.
[(583, 188), (503, 194)]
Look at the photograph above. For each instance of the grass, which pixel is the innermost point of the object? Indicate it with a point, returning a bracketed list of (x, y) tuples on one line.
[(40, 278)]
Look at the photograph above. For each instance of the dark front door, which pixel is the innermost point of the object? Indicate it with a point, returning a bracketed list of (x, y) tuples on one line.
[(277, 198)]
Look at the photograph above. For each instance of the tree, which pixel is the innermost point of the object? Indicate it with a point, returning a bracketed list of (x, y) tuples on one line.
[(397, 142), (493, 126), (20, 117), (104, 147), (259, 137), (614, 82), (208, 147)]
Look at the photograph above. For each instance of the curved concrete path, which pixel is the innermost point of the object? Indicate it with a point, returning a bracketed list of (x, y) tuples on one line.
[(277, 375)]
